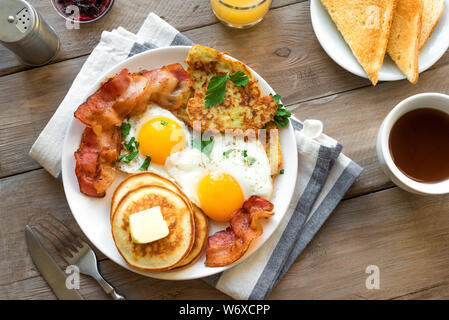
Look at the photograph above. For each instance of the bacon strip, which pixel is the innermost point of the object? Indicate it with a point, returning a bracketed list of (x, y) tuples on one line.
[(95, 160), (227, 246), (114, 100), (170, 86)]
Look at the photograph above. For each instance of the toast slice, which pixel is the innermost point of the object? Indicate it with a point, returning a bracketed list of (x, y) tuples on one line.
[(432, 12), (365, 26), (403, 45)]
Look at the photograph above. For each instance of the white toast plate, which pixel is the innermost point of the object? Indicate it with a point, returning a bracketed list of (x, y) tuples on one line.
[(92, 214), (335, 46)]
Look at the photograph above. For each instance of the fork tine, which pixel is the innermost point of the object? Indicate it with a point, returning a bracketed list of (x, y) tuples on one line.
[(60, 249), (68, 245), (71, 239), (68, 233)]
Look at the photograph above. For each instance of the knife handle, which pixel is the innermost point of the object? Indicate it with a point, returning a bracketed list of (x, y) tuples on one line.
[(108, 288)]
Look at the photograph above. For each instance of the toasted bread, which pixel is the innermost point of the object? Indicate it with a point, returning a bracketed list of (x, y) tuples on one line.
[(432, 12), (403, 45), (365, 26)]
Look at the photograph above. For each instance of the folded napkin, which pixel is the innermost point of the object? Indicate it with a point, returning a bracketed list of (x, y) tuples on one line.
[(324, 173)]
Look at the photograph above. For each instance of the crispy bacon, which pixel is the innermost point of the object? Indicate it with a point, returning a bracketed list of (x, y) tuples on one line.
[(169, 86), (95, 160), (227, 246), (114, 100)]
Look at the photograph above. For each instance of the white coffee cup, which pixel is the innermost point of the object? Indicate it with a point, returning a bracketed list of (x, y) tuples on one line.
[(424, 100)]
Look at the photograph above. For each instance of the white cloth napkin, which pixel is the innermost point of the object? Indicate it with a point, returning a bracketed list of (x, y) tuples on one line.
[(324, 173)]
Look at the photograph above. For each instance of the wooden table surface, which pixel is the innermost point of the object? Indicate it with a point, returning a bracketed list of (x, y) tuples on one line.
[(405, 235)]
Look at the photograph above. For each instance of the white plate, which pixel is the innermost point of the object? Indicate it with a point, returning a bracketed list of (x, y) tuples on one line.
[(335, 46), (92, 214)]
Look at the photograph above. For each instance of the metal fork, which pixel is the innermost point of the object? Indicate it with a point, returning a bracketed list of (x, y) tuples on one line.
[(75, 251)]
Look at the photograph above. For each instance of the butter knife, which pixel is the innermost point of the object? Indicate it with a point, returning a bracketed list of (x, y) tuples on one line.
[(48, 268)]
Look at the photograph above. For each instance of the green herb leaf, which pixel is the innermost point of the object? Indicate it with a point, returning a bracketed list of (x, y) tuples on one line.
[(282, 115), (216, 90), (145, 164), (125, 127), (205, 146), (250, 161), (282, 171), (164, 123), (130, 144), (130, 157), (240, 79), (245, 153), (227, 153), (277, 98), (120, 157)]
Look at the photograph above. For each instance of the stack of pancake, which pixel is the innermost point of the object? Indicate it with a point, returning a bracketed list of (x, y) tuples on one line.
[(187, 224)]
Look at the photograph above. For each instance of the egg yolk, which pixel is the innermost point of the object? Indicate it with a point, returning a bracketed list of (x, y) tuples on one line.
[(219, 195), (159, 138)]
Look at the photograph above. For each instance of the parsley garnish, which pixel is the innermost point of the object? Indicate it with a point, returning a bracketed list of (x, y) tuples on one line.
[(250, 161), (132, 144), (145, 164), (282, 171), (130, 156), (120, 157), (205, 146), (240, 79), (216, 88), (282, 115), (125, 127), (226, 153), (164, 123)]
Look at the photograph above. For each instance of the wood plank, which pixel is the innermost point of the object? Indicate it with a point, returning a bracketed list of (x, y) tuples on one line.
[(437, 292), (183, 15), (127, 283), (405, 235), (24, 200)]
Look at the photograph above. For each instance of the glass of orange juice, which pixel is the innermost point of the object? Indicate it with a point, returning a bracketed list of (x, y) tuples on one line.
[(240, 13)]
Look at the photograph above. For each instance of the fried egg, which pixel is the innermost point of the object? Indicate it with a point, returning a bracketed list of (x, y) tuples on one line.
[(220, 182), (153, 136)]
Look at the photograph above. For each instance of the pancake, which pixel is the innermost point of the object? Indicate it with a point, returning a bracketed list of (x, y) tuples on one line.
[(162, 254), (201, 234), (140, 179), (242, 107)]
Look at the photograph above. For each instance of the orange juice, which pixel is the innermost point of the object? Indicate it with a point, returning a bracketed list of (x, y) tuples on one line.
[(240, 13)]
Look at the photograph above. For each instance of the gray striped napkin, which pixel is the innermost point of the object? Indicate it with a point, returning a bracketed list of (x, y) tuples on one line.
[(324, 173)]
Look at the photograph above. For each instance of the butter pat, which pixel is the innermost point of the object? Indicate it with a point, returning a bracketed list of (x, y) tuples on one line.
[(147, 226)]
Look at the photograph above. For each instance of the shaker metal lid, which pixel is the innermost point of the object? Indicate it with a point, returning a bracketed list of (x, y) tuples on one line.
[(17, 19)]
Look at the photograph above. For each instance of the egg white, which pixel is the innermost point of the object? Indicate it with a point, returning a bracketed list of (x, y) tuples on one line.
[(245, 161), (136, 122)]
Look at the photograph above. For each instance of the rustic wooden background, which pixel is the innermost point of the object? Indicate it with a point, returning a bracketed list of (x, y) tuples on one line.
[(405, 235)]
